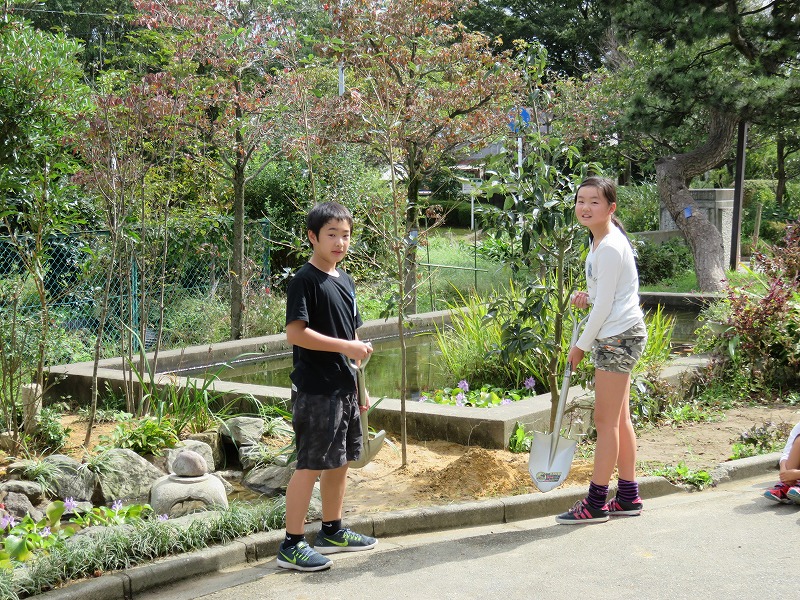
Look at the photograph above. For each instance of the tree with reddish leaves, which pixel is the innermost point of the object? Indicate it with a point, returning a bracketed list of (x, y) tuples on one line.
[(231, 53), (419, 90)]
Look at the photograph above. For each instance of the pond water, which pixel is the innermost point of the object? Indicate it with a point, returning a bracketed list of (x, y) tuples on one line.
[(425, 370), (382, 373)]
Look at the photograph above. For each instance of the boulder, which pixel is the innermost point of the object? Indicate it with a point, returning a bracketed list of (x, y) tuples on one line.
[(189, 464), (270, 481), (126, 476), (243, 431), (72, 479), (195, 446), (176, 496)]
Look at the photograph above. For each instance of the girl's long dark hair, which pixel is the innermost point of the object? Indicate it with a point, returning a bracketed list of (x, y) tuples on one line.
[(609, 190)]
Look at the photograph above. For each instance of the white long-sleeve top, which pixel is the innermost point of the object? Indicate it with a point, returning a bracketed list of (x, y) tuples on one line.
[(613, 286), (792, 437)]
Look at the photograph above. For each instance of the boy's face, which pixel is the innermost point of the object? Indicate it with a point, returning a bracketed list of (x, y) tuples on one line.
[(332, 243)]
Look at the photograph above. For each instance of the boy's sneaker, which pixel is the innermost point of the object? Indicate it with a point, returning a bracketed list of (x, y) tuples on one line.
[(583, 513), (619, 507), (778, 493), (793, 494), (343, 540), (302, 557)]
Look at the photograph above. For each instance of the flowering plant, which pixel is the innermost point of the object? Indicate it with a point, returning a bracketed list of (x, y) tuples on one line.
[(20, 540), (485, 397)]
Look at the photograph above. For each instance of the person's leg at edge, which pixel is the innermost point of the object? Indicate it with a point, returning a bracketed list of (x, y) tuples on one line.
[(298, 497), (332, 486)]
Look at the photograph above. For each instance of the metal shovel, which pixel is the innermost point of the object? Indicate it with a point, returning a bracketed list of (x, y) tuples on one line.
[(551, 454), (369, 447)]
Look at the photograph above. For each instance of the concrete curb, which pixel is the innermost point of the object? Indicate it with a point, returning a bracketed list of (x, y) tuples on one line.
[(124, 585)]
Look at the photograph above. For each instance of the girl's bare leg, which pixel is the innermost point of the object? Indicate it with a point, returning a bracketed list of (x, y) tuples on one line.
[(611, 394)]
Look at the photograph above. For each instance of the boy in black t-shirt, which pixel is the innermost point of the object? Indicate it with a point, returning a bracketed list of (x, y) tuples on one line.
[(321, 322)]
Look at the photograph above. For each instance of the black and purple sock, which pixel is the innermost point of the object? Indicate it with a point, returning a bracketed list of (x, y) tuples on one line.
[(627, 491), (597, 495)]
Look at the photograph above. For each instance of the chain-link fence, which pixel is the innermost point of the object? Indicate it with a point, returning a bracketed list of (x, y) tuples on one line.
[(84, 274)]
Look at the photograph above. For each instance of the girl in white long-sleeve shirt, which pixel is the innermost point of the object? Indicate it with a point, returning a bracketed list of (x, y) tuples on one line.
[(616, 332), (787, 490)]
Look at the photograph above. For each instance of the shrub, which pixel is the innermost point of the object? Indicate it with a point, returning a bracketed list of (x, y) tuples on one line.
[(196, 320), (658, 262), (638, 207), (756, 348)]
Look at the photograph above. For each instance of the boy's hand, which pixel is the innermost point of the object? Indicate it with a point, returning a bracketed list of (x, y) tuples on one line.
[(358, 350)]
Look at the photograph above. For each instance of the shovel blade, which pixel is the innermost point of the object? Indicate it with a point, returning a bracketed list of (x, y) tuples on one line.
[(548, 474), (369, 449)]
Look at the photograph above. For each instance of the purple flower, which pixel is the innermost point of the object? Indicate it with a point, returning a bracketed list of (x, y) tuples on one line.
[(422, 398), (117, 505), (463, 385), (460, 399), (505, 401), (45, 532), (163, 517), (70, 504), (530, 383), (7, 521)]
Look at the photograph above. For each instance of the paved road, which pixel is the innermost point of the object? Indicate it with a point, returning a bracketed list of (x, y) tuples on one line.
[(728, 542)]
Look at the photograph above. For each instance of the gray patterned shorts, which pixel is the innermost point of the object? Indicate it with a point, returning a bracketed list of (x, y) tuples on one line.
[(327, 430), (619, 353)]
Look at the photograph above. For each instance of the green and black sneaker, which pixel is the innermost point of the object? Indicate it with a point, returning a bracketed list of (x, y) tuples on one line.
[(343, 540), (302, 557)]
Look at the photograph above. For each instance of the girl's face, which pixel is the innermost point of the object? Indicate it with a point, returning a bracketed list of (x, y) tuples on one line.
[(592, 208)]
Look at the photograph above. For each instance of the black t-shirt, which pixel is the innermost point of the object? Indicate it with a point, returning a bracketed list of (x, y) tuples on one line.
[(328, 305)]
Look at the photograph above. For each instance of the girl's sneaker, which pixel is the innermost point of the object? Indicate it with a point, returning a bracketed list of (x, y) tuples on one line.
[(793, 494), (778, 493), (619, 507), (583, 513)]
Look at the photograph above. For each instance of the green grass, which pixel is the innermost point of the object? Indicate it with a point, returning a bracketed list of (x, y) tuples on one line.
[(687, 282), (440, 285)]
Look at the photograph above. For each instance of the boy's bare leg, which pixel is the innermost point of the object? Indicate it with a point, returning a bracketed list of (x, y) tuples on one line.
[(332, 484), (298, 497)]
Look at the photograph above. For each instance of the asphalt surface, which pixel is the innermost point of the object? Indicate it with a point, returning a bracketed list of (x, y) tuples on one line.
[(724, 542)]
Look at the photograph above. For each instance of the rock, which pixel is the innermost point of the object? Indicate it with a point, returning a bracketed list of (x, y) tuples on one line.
[(176, 496), (270, 481), (126, 476), (212, 438), (244, 431), (72, 479), (31, 489), (19, 505), (228, 487), (196, 446), (189, 464)]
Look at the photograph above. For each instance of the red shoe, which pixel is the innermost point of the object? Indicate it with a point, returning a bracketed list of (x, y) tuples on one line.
[(778, 493)]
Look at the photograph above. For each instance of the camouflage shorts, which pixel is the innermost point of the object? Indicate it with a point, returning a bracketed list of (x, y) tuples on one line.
[(619, 353), (327, 430)]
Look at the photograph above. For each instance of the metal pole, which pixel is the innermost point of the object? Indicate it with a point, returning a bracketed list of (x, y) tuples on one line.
[(738, 196)]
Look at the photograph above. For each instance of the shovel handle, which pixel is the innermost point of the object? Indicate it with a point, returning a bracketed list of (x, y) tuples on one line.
[(359, 371)]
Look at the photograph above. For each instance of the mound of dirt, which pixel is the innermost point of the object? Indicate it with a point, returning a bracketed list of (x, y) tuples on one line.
[(478, 473)]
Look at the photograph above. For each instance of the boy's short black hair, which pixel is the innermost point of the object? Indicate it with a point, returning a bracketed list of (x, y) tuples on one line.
[(327, 211)]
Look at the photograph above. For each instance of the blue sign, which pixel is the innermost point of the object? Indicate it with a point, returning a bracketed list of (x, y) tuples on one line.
[(520, 118)]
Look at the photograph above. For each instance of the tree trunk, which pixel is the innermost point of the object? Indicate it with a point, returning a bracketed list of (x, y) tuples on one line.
[(780, 172), (237, 266), (673, 174)]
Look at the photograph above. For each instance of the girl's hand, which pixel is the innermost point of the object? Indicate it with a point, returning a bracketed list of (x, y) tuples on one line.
[(580, 299), (575, 357), (790, 475)]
